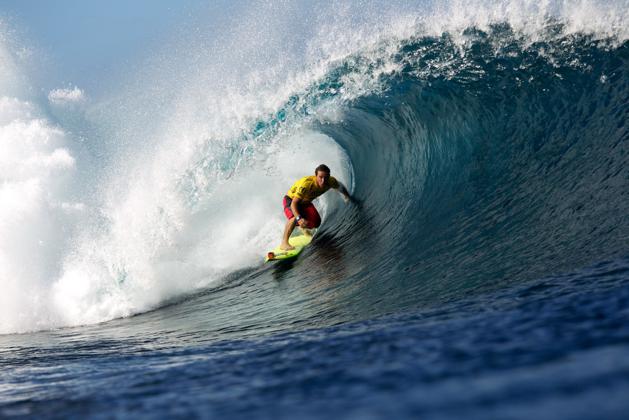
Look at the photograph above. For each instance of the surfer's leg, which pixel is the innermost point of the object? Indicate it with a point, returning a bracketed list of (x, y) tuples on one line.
[(310, 213), (312, 218), (307, 232), (290, 225)]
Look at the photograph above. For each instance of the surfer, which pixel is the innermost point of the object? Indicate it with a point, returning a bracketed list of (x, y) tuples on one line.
[(298, 206)]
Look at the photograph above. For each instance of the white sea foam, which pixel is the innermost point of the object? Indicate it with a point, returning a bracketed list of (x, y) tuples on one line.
[(601, 19), (35, 169)]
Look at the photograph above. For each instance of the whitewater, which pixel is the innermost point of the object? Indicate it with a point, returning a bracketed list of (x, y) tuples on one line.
[(482, 271)]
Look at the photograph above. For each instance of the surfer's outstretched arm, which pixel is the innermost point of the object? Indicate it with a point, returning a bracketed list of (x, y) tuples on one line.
[(343, 191)]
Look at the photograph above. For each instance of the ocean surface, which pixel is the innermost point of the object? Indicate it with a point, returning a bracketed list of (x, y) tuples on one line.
[(481, 270)]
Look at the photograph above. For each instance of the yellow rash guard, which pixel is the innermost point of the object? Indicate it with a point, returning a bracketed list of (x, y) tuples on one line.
[(307, 189)]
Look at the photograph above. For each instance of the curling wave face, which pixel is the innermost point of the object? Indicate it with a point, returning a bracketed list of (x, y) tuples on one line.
[(487, 164)]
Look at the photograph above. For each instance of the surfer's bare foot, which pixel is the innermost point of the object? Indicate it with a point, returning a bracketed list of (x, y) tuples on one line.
[(286, 247)]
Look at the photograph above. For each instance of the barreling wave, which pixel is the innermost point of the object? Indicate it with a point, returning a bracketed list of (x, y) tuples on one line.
[(486, 146), (487, 163)]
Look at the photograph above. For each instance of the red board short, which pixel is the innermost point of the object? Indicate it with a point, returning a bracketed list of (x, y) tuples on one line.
[(306, 210)]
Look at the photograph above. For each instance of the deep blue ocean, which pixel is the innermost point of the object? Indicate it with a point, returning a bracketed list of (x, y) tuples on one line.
[(481, 271)]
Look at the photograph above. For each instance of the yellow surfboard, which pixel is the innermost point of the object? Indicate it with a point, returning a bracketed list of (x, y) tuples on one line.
[(299, 242)]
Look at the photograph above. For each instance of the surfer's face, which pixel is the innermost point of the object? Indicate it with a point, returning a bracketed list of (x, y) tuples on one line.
[(322, 178)]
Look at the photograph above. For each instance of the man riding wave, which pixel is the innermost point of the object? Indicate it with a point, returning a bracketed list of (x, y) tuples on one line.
[(298, 206)]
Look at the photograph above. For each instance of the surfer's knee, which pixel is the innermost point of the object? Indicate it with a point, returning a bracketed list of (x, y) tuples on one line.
[(314, 223), (313, 219)]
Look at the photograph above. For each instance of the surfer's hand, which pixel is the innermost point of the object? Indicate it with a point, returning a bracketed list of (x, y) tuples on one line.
[(347, 199), (301, 222)]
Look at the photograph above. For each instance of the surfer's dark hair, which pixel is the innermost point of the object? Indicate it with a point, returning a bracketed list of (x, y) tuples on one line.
[(322, 168)]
